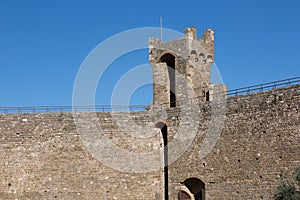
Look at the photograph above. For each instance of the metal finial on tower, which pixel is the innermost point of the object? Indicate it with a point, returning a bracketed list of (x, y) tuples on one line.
[(160, 28)]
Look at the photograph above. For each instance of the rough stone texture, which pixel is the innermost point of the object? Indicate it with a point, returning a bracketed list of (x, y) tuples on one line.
[(259, 144), (193, 58), (239, 147), (42, 156)]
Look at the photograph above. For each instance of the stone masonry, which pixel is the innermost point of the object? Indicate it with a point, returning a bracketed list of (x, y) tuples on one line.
[(42, 156), (231, 147)]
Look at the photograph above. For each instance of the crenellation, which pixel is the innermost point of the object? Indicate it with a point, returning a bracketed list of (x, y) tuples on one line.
[(257, 146), (192, 58), (191, 33), (231, 147)]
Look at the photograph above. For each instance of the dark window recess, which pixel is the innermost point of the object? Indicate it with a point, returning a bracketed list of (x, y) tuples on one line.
[(164, 130), (169, 59), (207, 96)]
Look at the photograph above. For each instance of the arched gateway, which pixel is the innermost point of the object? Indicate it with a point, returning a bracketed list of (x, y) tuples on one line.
[(192, 189)]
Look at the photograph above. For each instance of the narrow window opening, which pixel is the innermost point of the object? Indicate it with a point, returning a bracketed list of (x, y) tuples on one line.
[(207, 96), (169, 59), (164, 131)]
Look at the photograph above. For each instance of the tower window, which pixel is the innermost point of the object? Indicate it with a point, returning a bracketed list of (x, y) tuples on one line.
[(169, 59), (207, 96)]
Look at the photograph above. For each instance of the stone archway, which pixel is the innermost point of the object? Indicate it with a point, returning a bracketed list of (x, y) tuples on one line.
[(193, 189), (185, 194)]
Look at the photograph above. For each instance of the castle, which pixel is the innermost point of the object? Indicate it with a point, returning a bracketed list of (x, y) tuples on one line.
[(193, 142)]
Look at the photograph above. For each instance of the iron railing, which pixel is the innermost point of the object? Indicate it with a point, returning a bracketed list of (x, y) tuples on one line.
[(264, 87), (96, 108), (137, 108)]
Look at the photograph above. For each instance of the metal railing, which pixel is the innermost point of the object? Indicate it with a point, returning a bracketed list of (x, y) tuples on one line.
[(96, 108), (137, 108), (264, 86)]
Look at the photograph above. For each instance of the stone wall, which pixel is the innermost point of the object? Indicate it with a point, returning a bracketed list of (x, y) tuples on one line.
[(193, 58), (259, 145), (43, 155)]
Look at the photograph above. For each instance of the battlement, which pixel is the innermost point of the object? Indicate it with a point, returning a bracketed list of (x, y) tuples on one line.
[(43, 155), (191, 33), (189, 44), (197, 140), (181, 65)]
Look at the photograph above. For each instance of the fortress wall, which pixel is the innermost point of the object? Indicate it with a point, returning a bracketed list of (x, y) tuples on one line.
[(259, 145), (43, 155)]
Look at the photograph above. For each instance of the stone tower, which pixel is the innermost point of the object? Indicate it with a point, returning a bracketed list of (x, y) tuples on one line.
[(181, 68)]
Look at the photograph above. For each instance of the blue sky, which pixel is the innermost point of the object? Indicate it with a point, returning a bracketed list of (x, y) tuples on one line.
[(43, 43)]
